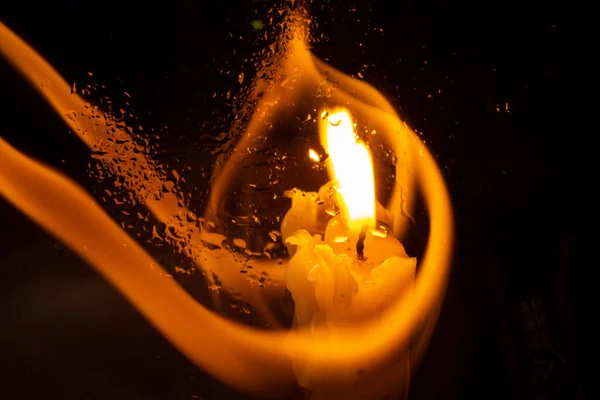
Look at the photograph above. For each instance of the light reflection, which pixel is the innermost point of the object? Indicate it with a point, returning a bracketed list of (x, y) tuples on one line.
[(241, 356)]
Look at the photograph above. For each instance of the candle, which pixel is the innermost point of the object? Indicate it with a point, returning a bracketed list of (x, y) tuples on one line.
[(350, 276)]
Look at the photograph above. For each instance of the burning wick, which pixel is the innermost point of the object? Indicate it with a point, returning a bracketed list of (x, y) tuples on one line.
[(360, 244)]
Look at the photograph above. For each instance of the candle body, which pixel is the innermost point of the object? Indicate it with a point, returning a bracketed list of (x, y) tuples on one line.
[(334, 289)]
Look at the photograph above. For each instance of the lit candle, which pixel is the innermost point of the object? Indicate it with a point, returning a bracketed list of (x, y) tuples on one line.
[(336, 289), (350, 277)]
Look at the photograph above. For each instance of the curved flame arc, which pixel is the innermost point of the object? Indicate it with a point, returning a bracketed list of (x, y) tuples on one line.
[(227, 350), (138, 172)]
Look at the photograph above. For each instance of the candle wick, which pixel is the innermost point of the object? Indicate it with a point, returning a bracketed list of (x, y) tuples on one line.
[(360, 244)]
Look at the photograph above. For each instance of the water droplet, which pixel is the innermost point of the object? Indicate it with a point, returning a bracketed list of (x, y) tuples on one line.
[(381, 231), (241, 243), (313, 155), (324, 114), (191, 216), (275, 235), (340, 239), (168, 186), (331, 211), (71, 115)]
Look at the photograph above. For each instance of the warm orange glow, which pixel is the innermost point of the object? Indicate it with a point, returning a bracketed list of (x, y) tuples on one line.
[(351, 166), (139, 173), (313, 155), (258, 360)]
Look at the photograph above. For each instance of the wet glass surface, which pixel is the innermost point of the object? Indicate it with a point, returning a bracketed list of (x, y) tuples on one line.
[(487, 95)]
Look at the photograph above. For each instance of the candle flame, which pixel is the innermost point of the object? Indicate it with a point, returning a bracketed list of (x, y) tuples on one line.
[(351, 166)]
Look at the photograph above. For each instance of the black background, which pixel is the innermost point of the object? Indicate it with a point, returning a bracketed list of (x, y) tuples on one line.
[(495, 89)]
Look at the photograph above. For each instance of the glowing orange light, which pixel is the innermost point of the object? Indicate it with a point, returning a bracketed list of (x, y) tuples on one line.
[(226, 350), (313, 155)]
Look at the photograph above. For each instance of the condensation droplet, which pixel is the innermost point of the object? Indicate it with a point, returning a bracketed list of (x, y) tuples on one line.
[(313, 155), (275, 235), (241, 243), (71, 115), (381, 231), (191, 216), (331, 211), (168, 186), (340, 239)]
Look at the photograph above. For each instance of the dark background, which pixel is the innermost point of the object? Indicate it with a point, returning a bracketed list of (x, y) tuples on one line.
[(495, 89)]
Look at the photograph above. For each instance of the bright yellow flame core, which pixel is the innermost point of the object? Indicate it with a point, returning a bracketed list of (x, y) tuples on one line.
[(350, 164)]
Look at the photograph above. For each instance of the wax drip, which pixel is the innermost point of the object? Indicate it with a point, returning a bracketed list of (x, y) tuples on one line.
[(360, 244)]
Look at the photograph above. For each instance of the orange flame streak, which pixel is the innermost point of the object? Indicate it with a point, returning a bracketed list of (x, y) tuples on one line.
[(226, 350), (59, 205), (241, 356), (138, 172)]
